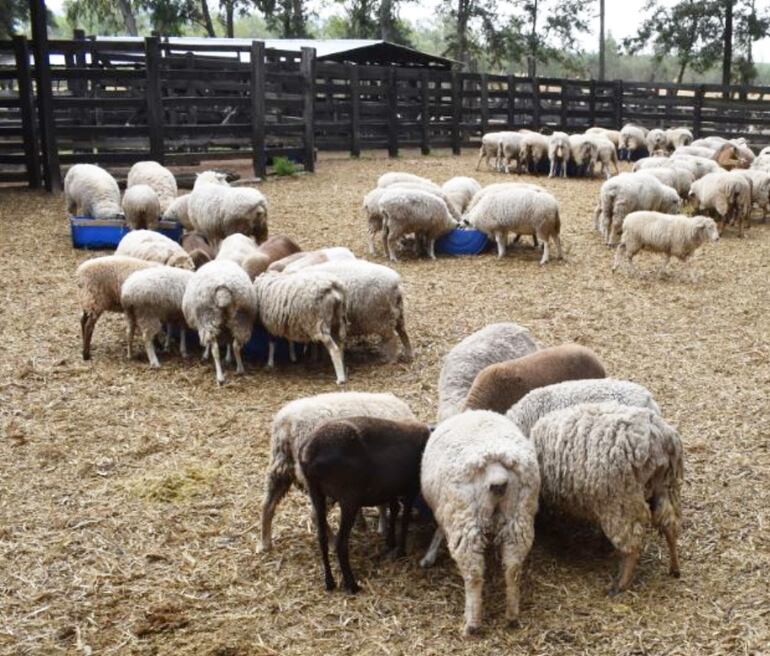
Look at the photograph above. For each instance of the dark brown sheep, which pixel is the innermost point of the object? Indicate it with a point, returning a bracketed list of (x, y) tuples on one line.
[(273, 249), (357, 462), (499, 386), (196, 244)]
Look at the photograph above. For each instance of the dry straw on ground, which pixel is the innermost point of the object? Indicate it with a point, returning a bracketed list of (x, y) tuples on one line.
[(129, 498)]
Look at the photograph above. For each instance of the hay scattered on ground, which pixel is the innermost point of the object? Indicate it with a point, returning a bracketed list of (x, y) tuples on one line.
[(129, 498)]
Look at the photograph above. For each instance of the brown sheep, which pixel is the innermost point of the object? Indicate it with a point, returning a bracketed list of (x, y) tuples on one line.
[(196, 244), (273, 249), (499, 386)]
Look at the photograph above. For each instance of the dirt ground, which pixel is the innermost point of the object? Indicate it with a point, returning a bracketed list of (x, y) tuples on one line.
[(130, 498)]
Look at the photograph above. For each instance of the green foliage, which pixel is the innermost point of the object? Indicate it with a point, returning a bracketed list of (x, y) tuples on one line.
[(284, 166), (13, 15)]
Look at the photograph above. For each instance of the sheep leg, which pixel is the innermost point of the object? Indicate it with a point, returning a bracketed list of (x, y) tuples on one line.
[(391, 245), (278, 483), (167, 339), (292, 352), (628, 564), (270, 354), (429, 559), (239, 370), (407, 355), (557, 243), (382, 519), (206, 352), (481, 157), (337, 358), (347, 519), (512, 568), (618, 254), (183, 342), (431, 249), (406, 518), (87, 324), (149, 347), (217, 362), (390, 538), (319, 505), (229, 354), (552, 170), (500, 238), (544, 259), (670, 533), (130, 330), (385, 246), (471, 566), (372, 248)]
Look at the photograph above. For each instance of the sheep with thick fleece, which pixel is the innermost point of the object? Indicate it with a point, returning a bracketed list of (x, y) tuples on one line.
[(501, 186), (521, 211), (618, 466), (99, 282), (89, 190), (606, 155), (178, 211), (657, 142), (533, 150), (762, 162), (676, 137), (401, 177), (218, 211), (612, 135), (375, 303), (210, 177), (239, 248), (256, 259), (306, 306), (728, 194), (154, 247), (141, 207), (220, 300), (559, 152), (632, 138), (158, 177), (480, 478), (460, 190), (292, 427), (490, 145), (670, 234), (496, 342), (198, 247), (677, 178), (629, 192), (536, 404), (760, 187), (584, 153), (509, 149), (413, 211), (150, 298), (304, 259), (702, 165)]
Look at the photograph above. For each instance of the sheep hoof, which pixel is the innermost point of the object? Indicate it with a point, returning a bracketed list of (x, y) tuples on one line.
[(613, 590), (352, 587), (86, 355), (471, 630), (514, 623), (674, 571), (330, 584), (406, 358), (426, 562), (342, 381)]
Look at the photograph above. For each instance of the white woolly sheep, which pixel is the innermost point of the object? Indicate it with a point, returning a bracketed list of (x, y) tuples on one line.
[(584, 153), (676, 137), (375, 303), (496, 342), (293, 425), (677, 178), (210, 177), (521, 211), (617, 466), (306, 306), (218, 211), (490, 146), (150, 298), (612, 135), (99, 282), (669, 234), (413, 211), (657, 142), (501, 186), (480, 478), (304, 259), (509, 149), (760, 188), (154, 247), (178, 211), (533, 150), (627, 193), (89, 190), (539, 402), (401, 177), (460, 190), (220, 300), (762, 162), (158, 177), (606, 155), (141, 207), (632, 138), (559, 152), (728, 194)]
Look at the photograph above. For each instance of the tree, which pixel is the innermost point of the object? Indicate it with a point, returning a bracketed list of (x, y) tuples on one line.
[(118, 17), (13, 13), (206, 18), (287, 17), (750, 25), (601, 40), (169, 17), (727, 50)]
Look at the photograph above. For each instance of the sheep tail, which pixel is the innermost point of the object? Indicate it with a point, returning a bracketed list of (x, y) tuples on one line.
[(557, 222), (496, 481), (223, 297), (665, 503)]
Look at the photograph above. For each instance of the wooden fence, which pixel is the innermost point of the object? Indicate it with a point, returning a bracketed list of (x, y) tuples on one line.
[(118, 102)]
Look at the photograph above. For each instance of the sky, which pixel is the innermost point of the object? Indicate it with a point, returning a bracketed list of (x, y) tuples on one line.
[(618, 14)]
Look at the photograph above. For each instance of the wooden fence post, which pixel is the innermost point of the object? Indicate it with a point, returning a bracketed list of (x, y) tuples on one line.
[(355, 111), (27, 106), (484, 103), (392, 104), (592, 102), (618, 102), (425, 113), (307, 69), (51, 169), (457, 99), (258, 88), (511, 102), (697, 115), (154, 96), (564, 105), (535, 104)]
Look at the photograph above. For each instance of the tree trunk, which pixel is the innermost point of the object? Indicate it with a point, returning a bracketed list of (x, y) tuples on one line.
[(601, 41), (386, 20), (532, 57), (207, 19), (128, 17), (462, 31), (298, 27), (727, 62), (229, 20), (682, 69)]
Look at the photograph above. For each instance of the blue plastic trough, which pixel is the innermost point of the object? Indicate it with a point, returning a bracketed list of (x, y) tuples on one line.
[(106, 233), (462, 241)]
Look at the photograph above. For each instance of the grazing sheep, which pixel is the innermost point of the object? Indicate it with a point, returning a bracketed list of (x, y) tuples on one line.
[(359, 462), (141, 207), (521, 211), (536, 404), (559, 152), (220, 300), (239, 248), (533, 150), (412, 210), (460, 190), (627, 193), (727, 194), (498, 386), (489, 149), (658, 161), (304, 259), (617, 466), (501, 186), (274, 249), (210, 177), (496, 342), (509, 149), (760, 188), (150, 298), (217, 211), (585, 152), (307, 306), (762, 162), (154, 247), (745, 155), (696, 151), (178, 211), (678, 179), (726, 156), (669, 234), (698, 166), (375, 303), (292, 427), (606, 155), (632, 138), (90, 191), (158, 177), (676, 137), (657, 142), (99, 282), (197, 246), (481, 480), (612, 135), (400, 177)]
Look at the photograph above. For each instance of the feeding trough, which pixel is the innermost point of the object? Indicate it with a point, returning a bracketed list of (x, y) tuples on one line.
[(462, 241), (94, 234), (257, 348)]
